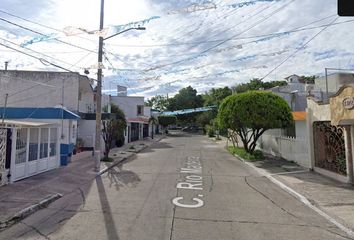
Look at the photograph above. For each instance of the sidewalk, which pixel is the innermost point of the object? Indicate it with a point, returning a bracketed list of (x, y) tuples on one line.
[(24, 197), (334, 198)]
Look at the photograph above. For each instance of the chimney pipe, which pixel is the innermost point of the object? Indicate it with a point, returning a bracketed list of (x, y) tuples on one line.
[(6, 64)]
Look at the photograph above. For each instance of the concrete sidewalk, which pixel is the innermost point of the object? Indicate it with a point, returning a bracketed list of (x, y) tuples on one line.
[(334, 198), (26, 196)]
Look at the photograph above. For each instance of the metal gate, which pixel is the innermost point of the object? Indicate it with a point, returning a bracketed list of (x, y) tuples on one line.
[(3, 143), (329, 147)]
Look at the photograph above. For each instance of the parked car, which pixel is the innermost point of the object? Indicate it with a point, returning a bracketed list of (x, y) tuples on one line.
[(191, 128)]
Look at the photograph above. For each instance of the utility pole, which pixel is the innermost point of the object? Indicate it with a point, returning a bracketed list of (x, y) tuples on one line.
[(99, 94), (4, 111)]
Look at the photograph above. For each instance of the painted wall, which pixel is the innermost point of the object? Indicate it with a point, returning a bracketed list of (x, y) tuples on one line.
[(335, 81), (128, 104), (37, 86)]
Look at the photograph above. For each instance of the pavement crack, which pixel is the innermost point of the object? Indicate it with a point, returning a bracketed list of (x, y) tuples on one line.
[(36, 230), (211, 180), (83, 197), (273, 202)]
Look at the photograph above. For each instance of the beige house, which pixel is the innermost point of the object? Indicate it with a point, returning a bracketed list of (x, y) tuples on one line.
[(330, 125)]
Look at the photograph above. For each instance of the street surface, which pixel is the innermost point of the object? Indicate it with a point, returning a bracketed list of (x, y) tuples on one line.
[(185, 187)]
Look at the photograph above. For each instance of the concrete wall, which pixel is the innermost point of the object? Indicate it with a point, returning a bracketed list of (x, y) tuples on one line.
[(39, 89), (292, 149), (335, 81), (128, 104)]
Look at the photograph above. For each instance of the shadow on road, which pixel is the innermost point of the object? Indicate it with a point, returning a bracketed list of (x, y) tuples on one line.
[(120, 178), (111, 230)]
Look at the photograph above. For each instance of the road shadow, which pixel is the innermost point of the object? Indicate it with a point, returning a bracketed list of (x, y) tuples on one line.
[(118, 177), (110, 225)]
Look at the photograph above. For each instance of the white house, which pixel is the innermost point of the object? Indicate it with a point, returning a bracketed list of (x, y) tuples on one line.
[(34, 140), (137, 115), (42, 89)]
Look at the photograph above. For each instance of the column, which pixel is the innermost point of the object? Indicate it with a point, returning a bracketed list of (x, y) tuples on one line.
[(348, 152)]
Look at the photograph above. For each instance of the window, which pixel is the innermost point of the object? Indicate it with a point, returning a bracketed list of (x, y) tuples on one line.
[(140, 110), (43, 150), (33, 144), (53, 141)]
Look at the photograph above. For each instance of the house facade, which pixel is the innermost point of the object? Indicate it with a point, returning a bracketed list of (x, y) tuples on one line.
[(41, 106), (330, 126), (136, 114), (34, 140)]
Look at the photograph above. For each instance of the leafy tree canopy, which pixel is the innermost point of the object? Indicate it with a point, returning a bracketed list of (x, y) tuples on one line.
[(166, 120), (251, 113), (158, 102), (257, 84), (216, 95), (186, 98)]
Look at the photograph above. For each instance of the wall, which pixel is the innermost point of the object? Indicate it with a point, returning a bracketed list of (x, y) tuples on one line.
[(32, 87), (87, 132), (335, 81), (320, 112), (292, 149), (128, 104)]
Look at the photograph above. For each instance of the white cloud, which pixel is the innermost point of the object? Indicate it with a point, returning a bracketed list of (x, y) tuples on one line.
[(171, 45)]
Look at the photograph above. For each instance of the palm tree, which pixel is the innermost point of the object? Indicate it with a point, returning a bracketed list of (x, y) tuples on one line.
[(153, 121)]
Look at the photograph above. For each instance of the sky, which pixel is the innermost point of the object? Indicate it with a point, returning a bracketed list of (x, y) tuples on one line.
[(204, 44)]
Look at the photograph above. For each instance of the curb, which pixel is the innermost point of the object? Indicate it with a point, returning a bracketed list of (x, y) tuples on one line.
[(299, 197), (29, 210), (115, 163)]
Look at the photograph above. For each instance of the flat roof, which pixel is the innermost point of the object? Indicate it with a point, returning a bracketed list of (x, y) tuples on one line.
[(11, 122)]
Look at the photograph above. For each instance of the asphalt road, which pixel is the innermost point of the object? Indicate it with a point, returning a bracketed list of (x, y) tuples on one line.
[(183, 188)]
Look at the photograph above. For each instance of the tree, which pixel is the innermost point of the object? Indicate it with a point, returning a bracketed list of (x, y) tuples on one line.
[(186, 98), (166, 120), (216, 95), (257, 84), (153, 122), (309, 79), (250, 114), (113, 129), (158, 102)]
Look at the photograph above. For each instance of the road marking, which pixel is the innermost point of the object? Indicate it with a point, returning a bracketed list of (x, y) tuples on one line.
[(192, 181)]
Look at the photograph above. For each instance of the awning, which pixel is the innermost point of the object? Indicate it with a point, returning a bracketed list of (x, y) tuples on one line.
[(299, 116), (139, 120), (15, 123)]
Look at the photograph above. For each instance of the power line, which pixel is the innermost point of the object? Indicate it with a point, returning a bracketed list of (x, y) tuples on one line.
[(34, 51), (226, 40), (43, 61), (39, 33), (300, 48)]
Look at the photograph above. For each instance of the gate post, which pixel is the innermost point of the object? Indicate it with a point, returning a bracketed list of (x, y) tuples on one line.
[(3, 142), (348, 130)]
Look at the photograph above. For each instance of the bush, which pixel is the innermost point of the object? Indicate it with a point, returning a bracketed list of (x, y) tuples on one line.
[(107, 159), (210, 131), (241, 152)]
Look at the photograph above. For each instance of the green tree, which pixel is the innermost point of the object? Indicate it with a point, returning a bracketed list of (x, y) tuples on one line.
[(158, 102), (309, 79), (250, 114), (216, 95), (113, 129), (166, 120), (257, 84), (186, 98)]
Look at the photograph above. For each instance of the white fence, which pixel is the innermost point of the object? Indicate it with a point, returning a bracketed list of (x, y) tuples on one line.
[(292, 149)]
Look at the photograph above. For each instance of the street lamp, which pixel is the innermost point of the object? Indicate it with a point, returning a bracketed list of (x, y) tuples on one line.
[(97, 150)]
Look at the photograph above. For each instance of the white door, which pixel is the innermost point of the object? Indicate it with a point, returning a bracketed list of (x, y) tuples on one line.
[(43, 150), (33, 151), (21, 154)]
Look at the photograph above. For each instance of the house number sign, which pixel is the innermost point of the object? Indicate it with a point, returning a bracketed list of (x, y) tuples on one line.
[(348, 102)]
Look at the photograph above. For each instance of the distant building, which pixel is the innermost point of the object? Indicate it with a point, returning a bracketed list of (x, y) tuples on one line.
[(137, 115)]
